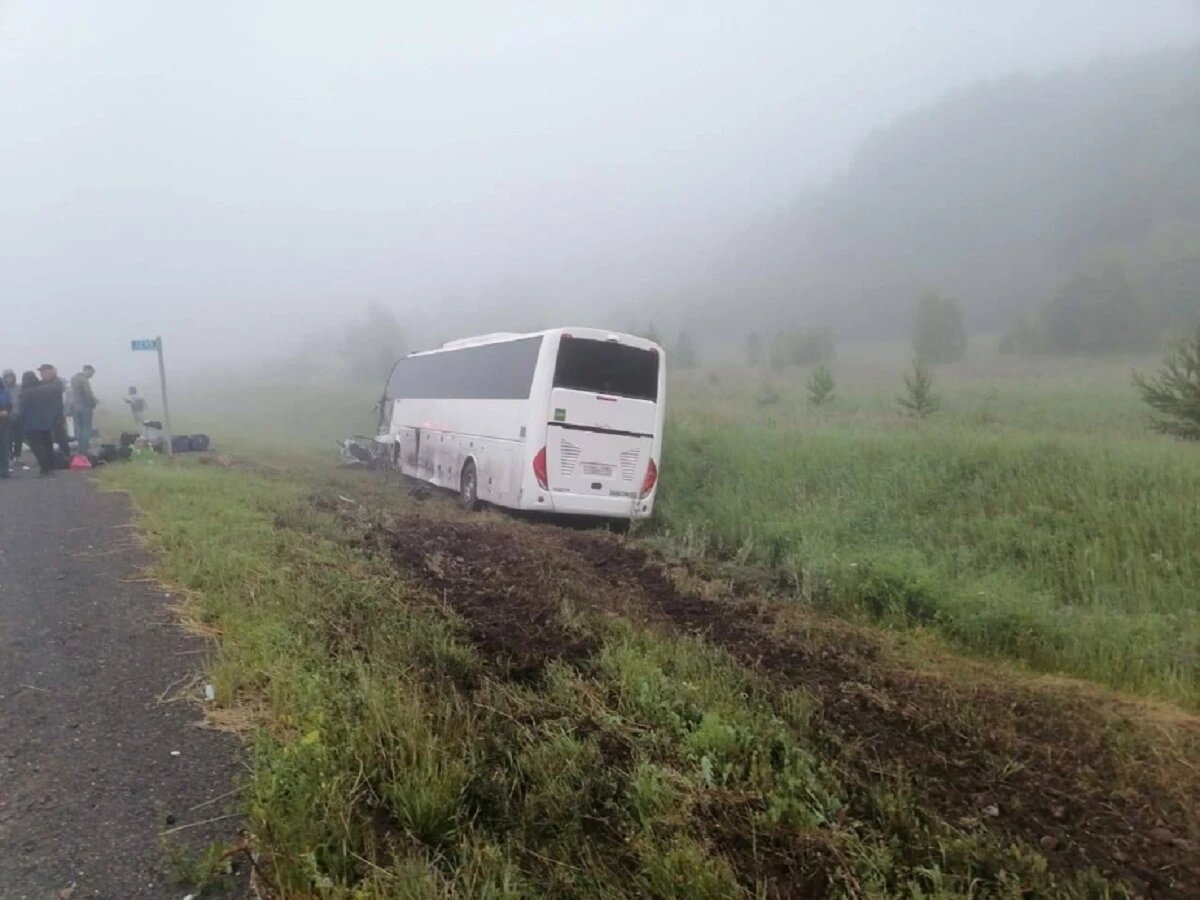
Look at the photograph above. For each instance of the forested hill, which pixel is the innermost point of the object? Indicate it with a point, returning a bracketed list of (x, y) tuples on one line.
[(1004, 195)]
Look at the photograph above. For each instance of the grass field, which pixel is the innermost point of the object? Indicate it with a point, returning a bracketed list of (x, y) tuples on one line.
[(1034, 517), (442, 705), (451, 706)]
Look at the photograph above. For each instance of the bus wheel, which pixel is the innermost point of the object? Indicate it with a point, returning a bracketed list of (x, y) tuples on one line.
[(468, 492)]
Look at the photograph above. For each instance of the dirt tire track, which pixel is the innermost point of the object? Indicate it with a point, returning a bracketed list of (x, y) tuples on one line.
[(1064, 778), (510, 601), (1033, 766)]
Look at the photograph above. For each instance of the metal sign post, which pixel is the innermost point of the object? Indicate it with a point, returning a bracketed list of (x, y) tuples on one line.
[(157, 344)]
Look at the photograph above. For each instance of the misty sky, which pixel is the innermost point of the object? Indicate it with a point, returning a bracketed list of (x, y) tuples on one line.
[(235, 175)]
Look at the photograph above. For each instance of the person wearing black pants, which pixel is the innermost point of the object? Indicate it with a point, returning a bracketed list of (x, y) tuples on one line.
[(49, 375), (42, 445), (41, 403), (6, 420), (14, 394)]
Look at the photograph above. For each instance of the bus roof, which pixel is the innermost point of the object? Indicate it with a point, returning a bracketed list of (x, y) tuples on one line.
[(596, 334)]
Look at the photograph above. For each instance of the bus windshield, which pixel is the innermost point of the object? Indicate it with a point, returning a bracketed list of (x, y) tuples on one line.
[(606, 367)]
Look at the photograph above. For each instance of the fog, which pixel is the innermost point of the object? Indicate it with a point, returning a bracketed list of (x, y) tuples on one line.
[(237, 177)]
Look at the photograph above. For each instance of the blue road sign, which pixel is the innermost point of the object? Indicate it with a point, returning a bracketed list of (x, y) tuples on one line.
[(145, 344)]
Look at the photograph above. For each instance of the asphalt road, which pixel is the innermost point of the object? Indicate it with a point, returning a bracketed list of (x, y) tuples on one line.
[(100, 752)]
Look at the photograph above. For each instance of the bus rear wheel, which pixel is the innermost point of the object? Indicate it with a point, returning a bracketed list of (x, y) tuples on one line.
[(468, 490)]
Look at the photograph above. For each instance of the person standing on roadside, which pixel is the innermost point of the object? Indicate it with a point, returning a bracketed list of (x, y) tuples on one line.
[(6, 420), (14, 433), (83, 404), (58, 430), (137, 406), (41, 407)]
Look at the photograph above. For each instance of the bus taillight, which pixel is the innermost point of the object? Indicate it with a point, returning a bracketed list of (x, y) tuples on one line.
[(650, 480), (539, 470)]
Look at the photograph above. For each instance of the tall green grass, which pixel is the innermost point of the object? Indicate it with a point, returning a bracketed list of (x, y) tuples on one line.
[(1068, 553), (389, 761), (1034, 517)]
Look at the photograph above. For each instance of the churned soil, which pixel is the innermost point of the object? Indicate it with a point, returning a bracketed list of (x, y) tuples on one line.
[(510, 596), (1061, 767)]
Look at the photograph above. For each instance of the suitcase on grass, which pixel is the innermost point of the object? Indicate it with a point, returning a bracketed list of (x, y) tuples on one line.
[(199, 443)]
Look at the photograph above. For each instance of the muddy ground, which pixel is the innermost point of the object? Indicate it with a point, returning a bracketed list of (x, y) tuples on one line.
[(1084, 780)]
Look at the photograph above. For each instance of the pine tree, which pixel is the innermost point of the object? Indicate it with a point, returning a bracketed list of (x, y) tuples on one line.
[(820, 386), (1174, 391), (919, 399)]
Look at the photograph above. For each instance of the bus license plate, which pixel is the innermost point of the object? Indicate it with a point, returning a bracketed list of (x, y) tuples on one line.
[(597, 469)]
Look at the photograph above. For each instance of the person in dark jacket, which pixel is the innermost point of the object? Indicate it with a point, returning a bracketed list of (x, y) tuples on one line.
[(49, 375), (14, 393), (41, 405), (6, 426)]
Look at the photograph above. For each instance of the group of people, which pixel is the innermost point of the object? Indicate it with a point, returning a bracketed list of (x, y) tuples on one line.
[(34, 410)]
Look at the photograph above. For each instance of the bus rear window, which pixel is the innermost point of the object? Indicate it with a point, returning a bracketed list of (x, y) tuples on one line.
[(606, 367)]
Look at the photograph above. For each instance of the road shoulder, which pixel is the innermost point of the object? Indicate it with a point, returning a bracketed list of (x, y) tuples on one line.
[(105, 770)]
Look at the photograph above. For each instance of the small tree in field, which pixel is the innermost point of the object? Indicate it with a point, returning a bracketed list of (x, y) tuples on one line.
[(820, 386), (1174, 391), (939, 335), (919, 399)]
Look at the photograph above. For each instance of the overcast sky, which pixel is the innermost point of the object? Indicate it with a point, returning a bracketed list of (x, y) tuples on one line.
[(233, 175)]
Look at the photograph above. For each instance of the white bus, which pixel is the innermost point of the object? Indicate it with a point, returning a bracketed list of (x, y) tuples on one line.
[(568, 420)]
